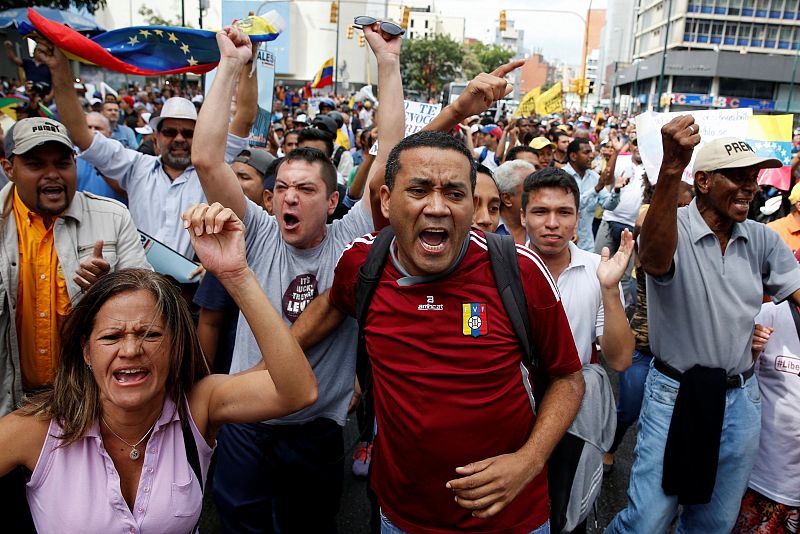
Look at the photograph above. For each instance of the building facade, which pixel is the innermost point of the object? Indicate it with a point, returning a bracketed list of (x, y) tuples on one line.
[(719, 54)]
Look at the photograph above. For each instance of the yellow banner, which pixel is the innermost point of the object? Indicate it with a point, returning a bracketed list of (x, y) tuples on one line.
[(527, 106), (550, 101)]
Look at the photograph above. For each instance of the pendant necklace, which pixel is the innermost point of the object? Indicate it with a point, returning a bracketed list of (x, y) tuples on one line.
[(135, 454)]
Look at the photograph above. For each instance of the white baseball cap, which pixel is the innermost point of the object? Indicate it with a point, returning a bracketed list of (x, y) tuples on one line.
[(175, 108)]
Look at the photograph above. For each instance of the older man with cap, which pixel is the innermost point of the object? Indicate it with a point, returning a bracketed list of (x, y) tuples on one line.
[(54, 243), (708, 268), (159, 188)]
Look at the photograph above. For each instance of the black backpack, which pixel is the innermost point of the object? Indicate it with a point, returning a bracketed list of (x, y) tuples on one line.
[(503, 255)]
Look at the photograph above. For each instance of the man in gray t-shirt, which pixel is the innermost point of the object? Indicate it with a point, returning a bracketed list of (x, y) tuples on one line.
[(708, 268), (290, 469)]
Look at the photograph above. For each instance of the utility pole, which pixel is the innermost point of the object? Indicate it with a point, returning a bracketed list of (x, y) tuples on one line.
[(663, 58), (336, 58)]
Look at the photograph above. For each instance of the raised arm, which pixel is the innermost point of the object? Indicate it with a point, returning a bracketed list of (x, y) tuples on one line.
[(318, 321), (659, 237), (208, 148), (391, 112), (288, 384), (476, 98), (69, 108), (11, 54), (359, 182), (246, 100)]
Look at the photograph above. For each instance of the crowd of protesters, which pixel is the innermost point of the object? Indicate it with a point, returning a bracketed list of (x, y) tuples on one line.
[(465, 290)]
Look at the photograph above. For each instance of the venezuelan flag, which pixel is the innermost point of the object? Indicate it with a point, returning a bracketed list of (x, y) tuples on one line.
[(771, 136), (8, 105), (324, 76), (149, 50)]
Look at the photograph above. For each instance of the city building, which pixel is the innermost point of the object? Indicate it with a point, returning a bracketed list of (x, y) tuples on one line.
[(425, 22), (616, 49), (534, 73), (719, 54)]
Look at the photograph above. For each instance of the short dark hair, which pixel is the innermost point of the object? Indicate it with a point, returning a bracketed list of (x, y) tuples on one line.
[(427, 139), (574, 146), (268, 180), (513, 153), (313, 155), (315, 134), (550, 177), (480, 168), (555, 134)]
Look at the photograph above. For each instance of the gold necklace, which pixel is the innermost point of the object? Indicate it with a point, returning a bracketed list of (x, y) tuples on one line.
[(135, 454)]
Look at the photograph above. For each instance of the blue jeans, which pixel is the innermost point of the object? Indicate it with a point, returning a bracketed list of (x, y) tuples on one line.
[(631, 391), (279, 478), (649, 510), (387, 527)]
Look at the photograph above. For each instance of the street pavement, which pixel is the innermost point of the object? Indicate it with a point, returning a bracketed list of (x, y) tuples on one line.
[(354, 514)]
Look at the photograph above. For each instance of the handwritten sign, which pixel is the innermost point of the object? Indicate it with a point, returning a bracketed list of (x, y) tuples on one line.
[(418, 115), (713, 124)]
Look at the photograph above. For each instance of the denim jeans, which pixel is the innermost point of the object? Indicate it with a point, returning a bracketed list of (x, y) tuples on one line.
[(387, 527), (649, 510), (631, 391), (279, 478)]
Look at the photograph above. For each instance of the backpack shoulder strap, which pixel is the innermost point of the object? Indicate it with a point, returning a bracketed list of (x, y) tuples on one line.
[(505, 267), (192, 455), (369, 274)]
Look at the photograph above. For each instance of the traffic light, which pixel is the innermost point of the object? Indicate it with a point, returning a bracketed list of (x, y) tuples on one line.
[(361, 40), (406, 15), (349, 31), (334, 12), (502, 20), (574, 85), (591, 86)]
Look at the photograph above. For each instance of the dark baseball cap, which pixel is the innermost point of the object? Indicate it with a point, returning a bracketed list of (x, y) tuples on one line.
[(325, 123), (260, 160)]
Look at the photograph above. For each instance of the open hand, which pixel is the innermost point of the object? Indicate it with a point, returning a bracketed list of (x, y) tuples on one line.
[(678, 138), (484, 90), (218, 239), (610, 270), (488, 486), (92, 268)]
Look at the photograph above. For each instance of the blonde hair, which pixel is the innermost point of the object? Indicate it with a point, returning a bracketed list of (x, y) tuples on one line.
[(74, 400)]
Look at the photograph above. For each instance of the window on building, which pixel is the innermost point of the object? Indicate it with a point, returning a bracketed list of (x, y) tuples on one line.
[(411, 24), (772, 37), (702, 31), (707, 6), (716, 32), (735, 7), (730, 33), (762, 90), (759, 30), (694, 6), (426, 24), (688, 30), (743, 38), (785, 37), (691, 84), (762, 8)]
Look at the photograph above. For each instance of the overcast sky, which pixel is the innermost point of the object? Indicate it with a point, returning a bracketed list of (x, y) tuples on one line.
[(557, 35)]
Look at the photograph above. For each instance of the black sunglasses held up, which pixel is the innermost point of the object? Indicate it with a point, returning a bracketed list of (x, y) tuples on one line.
[(389, 27)]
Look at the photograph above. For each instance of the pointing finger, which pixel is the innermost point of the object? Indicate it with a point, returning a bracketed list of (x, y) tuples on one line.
[(503, 70)]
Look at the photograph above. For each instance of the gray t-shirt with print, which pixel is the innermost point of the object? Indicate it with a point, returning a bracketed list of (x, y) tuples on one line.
[(291, 278)]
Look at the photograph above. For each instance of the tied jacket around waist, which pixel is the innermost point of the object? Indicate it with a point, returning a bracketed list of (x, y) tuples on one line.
[(87, 219)]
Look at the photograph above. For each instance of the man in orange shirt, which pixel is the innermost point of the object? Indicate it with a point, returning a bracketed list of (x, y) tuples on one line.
[(54, 243), (789, 227)]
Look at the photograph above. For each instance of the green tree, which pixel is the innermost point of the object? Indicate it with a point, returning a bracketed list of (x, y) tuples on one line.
[(90, 5), (428, 64), (479, 57)]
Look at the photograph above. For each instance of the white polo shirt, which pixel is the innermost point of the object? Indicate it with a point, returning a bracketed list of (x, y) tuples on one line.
[(777, 464), (582, 300)]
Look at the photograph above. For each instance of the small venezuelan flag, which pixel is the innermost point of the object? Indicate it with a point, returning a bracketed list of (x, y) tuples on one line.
[(771, 136), (324, 76)]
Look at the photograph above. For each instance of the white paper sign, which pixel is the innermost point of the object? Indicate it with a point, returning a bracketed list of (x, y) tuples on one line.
[(418, 115), (713, 124)]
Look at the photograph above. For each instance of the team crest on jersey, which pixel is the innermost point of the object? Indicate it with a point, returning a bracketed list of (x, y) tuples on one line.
[(475, 321)]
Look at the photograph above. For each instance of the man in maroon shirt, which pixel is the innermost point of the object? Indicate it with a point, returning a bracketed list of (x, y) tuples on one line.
[(458, 446)]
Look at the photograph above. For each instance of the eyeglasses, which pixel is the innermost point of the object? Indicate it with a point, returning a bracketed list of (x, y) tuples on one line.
[(389, 27), (173, 132)]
